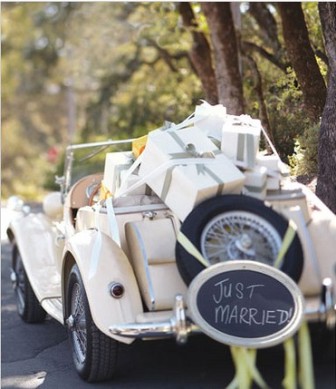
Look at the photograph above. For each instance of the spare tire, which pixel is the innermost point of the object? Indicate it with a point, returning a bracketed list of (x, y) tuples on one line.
[(231, 227)]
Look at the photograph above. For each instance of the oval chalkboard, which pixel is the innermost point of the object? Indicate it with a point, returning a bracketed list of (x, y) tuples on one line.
[(245, 303)]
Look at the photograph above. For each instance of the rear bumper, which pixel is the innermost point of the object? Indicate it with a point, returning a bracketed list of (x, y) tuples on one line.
[(318, 309)]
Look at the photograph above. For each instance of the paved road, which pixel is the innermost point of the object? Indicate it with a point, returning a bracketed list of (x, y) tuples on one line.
[(38, 356)]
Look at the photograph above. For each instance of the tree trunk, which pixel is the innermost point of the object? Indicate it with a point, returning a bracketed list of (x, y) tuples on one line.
[(326, 181), (302, 58), (224, 43), (258, 88), (267, 24), (200, 54)]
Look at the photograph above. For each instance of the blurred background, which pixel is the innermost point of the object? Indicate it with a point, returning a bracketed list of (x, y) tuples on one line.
[(76, 72)]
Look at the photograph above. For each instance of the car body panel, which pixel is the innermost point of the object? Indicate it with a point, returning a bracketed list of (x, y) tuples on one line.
[(102, 262), (93, 234), (41, 250)]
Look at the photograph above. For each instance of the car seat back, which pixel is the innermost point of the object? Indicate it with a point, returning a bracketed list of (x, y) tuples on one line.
[(151, 246)]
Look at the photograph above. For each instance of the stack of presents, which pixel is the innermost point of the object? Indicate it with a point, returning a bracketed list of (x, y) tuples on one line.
[(208, 154)]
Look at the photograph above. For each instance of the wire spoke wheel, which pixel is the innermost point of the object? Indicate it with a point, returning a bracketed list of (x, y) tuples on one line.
[(78, 333), (28, 306), (232, 227), (240, 235), (94, 353), (19, 286)]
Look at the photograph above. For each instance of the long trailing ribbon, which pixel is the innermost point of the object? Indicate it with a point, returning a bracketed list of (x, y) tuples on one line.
[(306, 367), (191, 249), (97, 245), (287, 241), (244, 359), (289, 381), (114, 230)]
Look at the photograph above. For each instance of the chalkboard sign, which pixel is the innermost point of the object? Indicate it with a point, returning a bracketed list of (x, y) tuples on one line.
[(246, 303)]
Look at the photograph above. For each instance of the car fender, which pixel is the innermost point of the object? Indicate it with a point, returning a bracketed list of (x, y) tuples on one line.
[(102, 262), (37, 240)]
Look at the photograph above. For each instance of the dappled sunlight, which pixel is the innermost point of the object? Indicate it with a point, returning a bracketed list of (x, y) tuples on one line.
[(8, 308), (24, 381)]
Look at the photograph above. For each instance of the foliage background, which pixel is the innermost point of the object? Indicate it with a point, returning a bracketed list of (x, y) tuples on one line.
[(75, 72)]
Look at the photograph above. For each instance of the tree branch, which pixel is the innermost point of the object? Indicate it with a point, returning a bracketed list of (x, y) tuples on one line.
[(248, 47), (267, 24), (200, 54)]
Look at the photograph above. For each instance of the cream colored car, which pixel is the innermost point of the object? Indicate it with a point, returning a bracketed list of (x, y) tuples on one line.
[(112, 268)]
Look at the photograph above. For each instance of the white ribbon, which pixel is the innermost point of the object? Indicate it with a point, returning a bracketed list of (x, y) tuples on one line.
[(162, 168), (114, 231), (96, 248)]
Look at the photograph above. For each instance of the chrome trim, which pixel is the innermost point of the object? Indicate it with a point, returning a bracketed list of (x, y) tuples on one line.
[(179, 320), (179, 326), (328, 313), (112, 293), (144, 254), (65, 180)]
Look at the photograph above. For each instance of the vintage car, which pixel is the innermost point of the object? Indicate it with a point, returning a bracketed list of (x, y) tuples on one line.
[(115, 254)]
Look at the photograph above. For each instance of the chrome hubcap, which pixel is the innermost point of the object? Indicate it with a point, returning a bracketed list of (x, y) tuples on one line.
[(240, 235)]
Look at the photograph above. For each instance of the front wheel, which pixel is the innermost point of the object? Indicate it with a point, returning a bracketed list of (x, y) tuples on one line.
[(28, 306), (94, 353)]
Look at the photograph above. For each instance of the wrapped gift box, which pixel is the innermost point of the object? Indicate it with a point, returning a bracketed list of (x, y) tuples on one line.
[(115, 164), (271, 162), (277, 171), (184, 168), (256, 182), (240, 140), (210, 119), (132, 181)]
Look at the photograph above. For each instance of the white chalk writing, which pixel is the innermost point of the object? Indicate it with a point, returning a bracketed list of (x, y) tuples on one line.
[(233, 314), (226, 289), (235, 305)]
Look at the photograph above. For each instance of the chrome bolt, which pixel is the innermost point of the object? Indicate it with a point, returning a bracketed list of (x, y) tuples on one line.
[(70, 322)]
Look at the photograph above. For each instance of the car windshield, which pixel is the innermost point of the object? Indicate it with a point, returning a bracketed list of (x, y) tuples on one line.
[(87, 158)]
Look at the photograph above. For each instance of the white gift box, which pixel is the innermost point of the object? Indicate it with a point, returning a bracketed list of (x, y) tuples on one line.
[(115, 164), (184, 168), (131, 181), (240, 140), (271, 162), (277, 171), (256, 182), (210, 119), (273, 182)]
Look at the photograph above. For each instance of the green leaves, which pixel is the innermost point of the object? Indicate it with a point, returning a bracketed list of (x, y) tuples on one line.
[(120, 69)]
